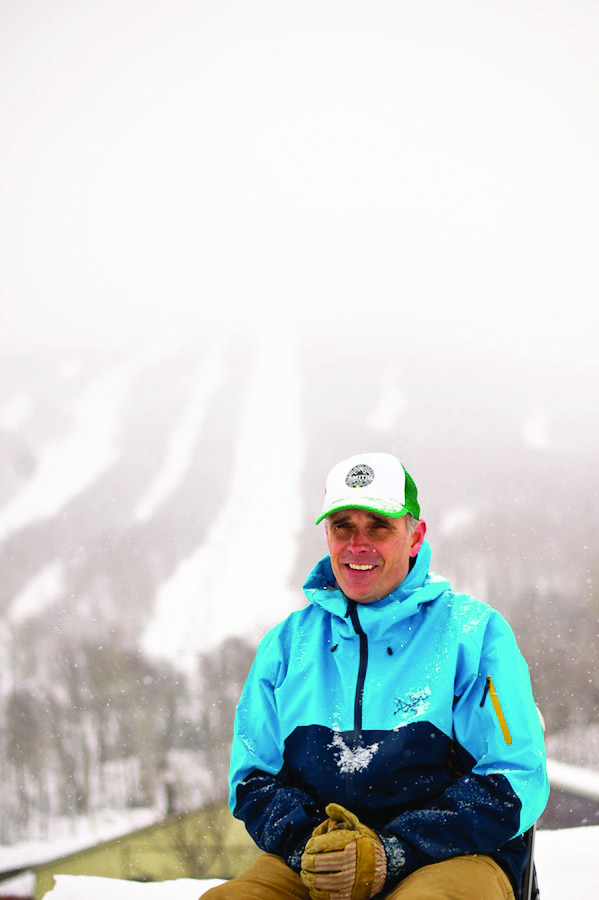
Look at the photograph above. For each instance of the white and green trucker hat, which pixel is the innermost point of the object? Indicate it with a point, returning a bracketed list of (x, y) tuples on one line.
[(377, 482)]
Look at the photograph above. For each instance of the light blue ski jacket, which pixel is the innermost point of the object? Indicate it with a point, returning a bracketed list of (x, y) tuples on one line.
[(415, 712)]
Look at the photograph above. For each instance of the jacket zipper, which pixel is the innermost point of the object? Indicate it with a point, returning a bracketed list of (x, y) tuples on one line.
[(490, 689), (353, 613), (361, 672)]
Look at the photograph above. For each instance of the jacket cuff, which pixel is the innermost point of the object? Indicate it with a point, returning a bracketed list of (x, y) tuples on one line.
[(294, 859), (396, 853)]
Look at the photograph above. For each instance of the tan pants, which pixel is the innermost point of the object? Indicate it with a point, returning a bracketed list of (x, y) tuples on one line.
[(459, 878)]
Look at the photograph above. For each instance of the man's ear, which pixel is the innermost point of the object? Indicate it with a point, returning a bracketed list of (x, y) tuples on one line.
[(417, 538)]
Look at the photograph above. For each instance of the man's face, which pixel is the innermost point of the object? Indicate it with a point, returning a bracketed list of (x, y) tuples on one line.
[(370, 554)]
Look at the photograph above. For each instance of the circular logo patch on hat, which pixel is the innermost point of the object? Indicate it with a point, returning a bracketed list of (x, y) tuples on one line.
[(360, 476)]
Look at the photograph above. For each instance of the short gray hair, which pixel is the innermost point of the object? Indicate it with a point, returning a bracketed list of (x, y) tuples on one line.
[(411, 523)]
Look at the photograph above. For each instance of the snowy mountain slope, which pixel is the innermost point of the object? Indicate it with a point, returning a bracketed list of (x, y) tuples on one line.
[(249, 549), (109, 552), (70, 465), (134, 460), (182, 439)]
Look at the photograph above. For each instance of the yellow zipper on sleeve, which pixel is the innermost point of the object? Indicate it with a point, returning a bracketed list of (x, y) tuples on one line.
[(490, 689)]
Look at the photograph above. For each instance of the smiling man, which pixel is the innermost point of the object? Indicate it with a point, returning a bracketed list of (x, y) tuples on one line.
[(387, 742)]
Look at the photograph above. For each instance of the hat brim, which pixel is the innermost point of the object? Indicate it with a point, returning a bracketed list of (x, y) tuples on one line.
[(370, 504)]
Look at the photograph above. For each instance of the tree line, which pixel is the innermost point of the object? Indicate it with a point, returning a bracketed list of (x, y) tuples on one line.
[(107, 728)]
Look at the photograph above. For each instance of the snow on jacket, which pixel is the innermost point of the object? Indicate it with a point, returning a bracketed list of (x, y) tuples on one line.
[(415, 712)]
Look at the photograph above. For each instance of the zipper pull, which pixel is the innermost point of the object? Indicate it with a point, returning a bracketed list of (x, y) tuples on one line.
[(486, 690)]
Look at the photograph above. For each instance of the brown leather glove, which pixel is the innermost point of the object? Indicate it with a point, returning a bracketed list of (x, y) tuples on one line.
[(343, 860)]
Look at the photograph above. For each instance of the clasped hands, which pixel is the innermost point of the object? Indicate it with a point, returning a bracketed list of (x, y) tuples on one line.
[(343, 860)]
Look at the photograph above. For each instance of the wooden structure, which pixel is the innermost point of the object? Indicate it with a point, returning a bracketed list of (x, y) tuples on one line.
[(205, 843)]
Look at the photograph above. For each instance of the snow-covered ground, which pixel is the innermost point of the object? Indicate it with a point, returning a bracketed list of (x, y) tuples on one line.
[(566, 863), (75, 887)]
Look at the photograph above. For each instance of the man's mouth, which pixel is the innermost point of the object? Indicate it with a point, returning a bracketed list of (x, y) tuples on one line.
[(358, 568)]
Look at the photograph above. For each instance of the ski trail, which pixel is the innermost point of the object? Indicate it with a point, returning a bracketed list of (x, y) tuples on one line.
[(238, 580), (71, 464), (181, 445)]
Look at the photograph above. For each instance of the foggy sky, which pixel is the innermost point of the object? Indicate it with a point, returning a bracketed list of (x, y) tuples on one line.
[(428, 168)]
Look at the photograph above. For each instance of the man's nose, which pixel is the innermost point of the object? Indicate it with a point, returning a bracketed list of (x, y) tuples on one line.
[(359, 542)]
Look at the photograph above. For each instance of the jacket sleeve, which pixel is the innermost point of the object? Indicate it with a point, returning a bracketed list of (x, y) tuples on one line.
[(500, 750), (278, 816)]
